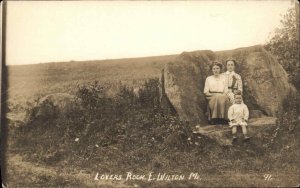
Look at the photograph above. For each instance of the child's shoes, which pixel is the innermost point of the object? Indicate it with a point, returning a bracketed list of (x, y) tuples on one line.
[(234, 139), (247, 138)]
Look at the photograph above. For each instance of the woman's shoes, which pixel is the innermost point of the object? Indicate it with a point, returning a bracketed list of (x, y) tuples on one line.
[(225, 122), (218, 121)]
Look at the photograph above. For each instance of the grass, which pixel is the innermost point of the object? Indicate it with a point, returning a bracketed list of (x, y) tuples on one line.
[(118, 132), (114, 134)]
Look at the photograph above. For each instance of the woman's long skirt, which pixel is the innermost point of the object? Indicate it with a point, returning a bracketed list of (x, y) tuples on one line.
[(218, 106)]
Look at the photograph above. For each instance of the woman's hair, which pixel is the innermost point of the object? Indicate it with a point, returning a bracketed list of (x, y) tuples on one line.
[(215, 63), (234, 62)]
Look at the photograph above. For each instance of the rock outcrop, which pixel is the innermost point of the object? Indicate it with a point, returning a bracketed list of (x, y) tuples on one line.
[(258, 128), (55, 104), (265, 82)]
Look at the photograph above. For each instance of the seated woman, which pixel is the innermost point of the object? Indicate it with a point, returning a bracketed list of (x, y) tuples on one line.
[(234, 80), (215, 90)]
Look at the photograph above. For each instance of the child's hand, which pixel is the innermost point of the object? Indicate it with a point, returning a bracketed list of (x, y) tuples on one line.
[(233, 121)]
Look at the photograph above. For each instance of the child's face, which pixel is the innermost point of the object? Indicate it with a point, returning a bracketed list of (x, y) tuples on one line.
[(238, 99)]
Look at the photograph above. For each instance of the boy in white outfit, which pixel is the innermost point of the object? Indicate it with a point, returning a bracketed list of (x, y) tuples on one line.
[(238, 115)]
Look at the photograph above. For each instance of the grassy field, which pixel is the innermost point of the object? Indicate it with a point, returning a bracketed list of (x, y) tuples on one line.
[(119, 132), (27, 83), (41, 79)]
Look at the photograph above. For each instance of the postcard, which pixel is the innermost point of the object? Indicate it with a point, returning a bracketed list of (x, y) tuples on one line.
[(150, 94)]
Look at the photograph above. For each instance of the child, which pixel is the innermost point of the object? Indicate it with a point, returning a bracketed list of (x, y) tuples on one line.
[(238, 115)]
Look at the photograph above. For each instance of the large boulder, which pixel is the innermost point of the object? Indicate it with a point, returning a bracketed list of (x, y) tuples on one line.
[(265, 82)]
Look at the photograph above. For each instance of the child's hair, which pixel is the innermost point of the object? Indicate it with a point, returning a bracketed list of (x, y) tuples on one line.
[(238, 92)]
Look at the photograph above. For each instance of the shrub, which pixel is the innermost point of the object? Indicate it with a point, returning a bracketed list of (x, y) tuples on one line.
[(149, 94)]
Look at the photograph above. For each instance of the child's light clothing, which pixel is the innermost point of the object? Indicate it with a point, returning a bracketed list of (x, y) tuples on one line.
[(238, 114)]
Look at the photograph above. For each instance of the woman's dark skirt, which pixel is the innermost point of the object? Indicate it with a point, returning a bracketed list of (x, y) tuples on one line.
[(218, 106)]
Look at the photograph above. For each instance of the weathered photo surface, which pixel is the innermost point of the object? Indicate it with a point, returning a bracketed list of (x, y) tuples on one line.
[(151, 94)]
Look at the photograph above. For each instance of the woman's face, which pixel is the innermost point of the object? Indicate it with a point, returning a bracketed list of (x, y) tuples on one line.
[(230, 66), (216, 70)]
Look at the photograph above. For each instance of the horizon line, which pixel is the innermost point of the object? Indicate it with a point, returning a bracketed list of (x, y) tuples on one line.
[(124, 58)]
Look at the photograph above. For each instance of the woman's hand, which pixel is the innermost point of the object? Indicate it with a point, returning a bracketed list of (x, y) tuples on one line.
[(208, 94)]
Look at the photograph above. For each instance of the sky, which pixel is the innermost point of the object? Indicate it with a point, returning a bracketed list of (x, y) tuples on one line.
[(56, 31)]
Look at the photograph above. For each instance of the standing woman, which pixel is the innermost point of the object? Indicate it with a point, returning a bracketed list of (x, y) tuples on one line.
[(215, 90), (234, 80)]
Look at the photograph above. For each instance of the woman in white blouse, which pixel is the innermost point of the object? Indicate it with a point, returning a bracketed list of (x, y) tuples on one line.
[(215, 90)]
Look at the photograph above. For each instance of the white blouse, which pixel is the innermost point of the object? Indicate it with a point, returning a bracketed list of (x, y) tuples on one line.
[(216, 85)]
